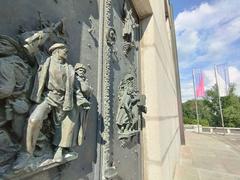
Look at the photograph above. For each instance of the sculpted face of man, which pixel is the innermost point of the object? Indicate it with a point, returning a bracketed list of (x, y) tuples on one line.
[(81, 72), (62, 53)]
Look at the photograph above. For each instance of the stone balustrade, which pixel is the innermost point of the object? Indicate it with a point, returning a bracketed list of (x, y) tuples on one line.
[(212, 130)]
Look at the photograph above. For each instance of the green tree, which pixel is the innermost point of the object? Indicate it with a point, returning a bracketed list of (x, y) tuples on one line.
[(212, 102), (189, 113), (209, 111), (230, 106)]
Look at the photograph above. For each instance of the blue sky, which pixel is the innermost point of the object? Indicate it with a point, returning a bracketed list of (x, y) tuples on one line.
[(181, 5), (208, 33)]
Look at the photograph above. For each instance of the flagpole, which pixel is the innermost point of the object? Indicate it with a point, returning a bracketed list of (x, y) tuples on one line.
[(196, 105), (219, 100)]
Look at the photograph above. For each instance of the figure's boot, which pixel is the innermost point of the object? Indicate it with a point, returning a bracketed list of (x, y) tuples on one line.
[(58, 156)]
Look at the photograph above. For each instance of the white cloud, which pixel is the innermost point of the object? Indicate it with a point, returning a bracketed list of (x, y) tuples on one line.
[(234, 77), (207, 32), (194, 19), (188, 41), (206, 35), (187, 91)]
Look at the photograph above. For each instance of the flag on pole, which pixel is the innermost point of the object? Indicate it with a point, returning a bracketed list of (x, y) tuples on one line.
[(222, 78), (199, 83)]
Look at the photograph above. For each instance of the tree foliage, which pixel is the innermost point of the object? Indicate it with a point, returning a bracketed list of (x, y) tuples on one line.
[(209, 111)]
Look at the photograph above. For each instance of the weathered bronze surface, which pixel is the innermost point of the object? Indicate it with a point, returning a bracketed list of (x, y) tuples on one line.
[(49, 113), (59, 90), (121, 134)]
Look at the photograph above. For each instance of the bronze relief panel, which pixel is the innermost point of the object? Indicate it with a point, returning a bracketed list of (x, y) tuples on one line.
[(47, 96)]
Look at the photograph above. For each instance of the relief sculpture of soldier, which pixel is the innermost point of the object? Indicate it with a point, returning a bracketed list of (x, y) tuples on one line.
[(16, 70), (59, 91), (74, 124), (83, 100), (130, 108), (52, 91)]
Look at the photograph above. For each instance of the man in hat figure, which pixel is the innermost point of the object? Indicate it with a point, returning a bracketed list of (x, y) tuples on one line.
[(74, 124), (53, 93), (83, 89), (83, 99)]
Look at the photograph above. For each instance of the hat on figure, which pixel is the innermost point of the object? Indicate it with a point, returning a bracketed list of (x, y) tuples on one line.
[(80, 66), (56, 46)]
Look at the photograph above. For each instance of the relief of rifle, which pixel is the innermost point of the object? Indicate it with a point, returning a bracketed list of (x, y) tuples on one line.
[(34, 39)]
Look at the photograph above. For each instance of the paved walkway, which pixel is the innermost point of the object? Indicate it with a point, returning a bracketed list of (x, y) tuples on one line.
[(209, 157)]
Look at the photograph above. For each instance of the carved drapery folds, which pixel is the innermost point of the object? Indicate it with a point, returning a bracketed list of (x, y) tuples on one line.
[(131, 105), (44, 101)]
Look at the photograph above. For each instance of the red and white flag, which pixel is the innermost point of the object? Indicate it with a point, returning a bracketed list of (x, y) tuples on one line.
[(199, 83)]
